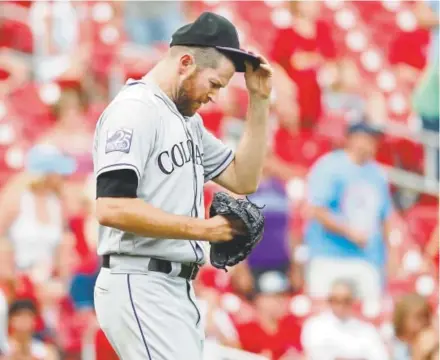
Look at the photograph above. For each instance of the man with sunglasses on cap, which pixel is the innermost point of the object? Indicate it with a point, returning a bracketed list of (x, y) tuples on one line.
[(152, 156), (337, 334)]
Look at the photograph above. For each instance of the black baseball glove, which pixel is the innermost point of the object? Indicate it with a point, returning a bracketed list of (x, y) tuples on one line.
[(232, 252)]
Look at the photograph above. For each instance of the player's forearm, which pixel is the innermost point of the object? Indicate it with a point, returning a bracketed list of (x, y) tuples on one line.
[(251, 151), (330, 222), (138, 217)]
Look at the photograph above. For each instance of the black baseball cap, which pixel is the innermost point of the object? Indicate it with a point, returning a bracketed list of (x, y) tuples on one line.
[(212, 30)]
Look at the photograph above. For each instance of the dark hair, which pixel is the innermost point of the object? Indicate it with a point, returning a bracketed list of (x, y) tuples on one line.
[(204, 57), (22, 304), (65, 94)]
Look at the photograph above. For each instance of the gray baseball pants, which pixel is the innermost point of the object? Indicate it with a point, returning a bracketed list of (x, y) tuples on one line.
[(148, 315)]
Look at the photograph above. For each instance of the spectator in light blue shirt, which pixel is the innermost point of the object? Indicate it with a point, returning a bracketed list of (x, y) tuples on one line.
[(350, 205)]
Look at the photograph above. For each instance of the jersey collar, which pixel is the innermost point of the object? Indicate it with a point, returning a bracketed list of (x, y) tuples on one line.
[(159, 92)]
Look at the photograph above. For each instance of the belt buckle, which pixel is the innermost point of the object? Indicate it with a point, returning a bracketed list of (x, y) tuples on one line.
[(194, 271)]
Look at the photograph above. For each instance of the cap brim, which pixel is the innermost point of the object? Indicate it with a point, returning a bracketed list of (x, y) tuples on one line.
[(67, 167), (64, 166), (239, 57), (272, 286), (368, 131)]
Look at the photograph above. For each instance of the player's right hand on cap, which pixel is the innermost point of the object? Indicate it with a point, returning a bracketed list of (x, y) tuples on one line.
[(222, 229)]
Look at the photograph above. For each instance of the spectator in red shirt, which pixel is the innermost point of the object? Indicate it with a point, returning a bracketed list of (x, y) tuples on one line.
[(300, 51), (344, 95), (273, 333)]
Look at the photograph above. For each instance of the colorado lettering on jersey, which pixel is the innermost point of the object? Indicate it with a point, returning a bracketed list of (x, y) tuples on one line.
[(179, 155)]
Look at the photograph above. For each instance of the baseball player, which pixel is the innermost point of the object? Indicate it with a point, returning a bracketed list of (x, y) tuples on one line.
[(152, 156)]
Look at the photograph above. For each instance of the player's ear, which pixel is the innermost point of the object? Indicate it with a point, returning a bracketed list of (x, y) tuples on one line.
[(186, 64)]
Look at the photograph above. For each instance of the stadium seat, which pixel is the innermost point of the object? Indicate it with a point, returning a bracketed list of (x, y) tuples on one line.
[(16, 35), (301, 149), (214, 278), (386, 153), (103, 349), (421, 222), (239, 309)]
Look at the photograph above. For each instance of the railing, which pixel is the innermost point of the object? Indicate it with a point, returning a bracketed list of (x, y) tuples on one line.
[(428, 182)]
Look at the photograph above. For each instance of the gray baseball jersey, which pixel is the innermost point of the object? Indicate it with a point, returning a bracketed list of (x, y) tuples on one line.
[(173, 156)]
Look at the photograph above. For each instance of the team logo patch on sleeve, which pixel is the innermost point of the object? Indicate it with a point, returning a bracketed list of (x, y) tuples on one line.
[(119, 140)]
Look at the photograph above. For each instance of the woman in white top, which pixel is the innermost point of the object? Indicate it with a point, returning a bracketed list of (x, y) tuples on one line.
[(32, 217)]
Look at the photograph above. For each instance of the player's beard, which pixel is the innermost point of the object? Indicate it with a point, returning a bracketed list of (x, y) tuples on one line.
[(184, 103)]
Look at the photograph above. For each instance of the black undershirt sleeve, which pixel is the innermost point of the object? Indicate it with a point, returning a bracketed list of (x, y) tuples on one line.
[(117, 184)]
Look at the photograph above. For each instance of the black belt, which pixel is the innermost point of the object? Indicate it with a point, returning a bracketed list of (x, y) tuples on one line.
[(188, 272)]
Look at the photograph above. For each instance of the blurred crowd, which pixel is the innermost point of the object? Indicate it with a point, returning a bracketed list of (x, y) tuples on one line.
[(348, 266)]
